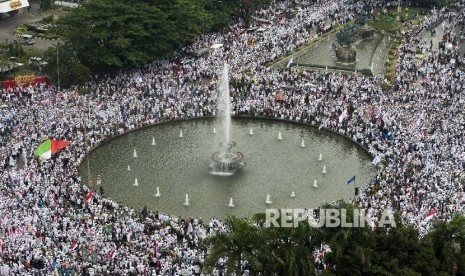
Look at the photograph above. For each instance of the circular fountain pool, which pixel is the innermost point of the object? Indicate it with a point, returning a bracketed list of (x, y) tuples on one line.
[(181, 165)]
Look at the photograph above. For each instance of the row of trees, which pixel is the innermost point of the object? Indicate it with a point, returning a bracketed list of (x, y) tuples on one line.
[(107, 35), (354, 251)]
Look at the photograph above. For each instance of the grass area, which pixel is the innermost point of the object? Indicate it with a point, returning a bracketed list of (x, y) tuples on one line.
[(385, 23), (392, 61), (388, 21), (45, 29), (308, 44), (13, 54), (49, 34)]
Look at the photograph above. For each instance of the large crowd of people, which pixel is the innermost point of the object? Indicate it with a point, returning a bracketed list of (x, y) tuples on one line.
[(50, 222)]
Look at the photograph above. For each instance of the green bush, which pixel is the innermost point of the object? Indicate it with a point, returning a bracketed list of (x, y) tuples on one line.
[(84, 90), (48, 19)]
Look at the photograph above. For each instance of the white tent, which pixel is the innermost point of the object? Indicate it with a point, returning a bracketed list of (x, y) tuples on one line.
[(215, 47)]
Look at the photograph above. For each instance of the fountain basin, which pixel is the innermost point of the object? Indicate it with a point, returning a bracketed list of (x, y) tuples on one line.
[(226, 162), (181, 166)]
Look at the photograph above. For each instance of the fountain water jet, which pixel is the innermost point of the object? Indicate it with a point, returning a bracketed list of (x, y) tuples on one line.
[(231, 204), (136, 183), (158, 192), (186, 202), (135, 153), (324, 169), (320, 158), (315, 184), (225, 162), (302, 144), (251, 131), (280, 137), (292, 194), (129, 168), (153, 141), (268, 200), (214, 130), (180, 134)]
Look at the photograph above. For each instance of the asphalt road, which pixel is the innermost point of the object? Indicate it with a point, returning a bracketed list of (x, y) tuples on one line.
[(8, 25)]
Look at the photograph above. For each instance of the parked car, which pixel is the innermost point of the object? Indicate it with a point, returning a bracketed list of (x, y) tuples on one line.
[(27, 39)]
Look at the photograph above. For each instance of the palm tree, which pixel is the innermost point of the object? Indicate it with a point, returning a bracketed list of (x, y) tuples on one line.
[(449, 244), (243, 241), (293, 248), (351, 248)]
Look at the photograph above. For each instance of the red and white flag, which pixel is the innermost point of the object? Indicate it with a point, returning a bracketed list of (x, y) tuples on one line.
[(430, 215), (99, 104), (89, 196), (111, 255), (74, 245), (4, 220)]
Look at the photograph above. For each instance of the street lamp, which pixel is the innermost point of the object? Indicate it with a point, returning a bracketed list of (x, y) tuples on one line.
[(58, 66), (203, 17), (86, 146)]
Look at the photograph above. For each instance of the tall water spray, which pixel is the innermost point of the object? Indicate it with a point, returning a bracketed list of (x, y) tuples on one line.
[(225, 161), (224, 104)]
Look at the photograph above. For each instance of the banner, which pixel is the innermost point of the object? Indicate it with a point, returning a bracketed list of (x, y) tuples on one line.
[(12, 5), (24, 81)]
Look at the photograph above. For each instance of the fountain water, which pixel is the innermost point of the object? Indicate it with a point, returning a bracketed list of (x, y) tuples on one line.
[(280, 136), (268, 200), (324, 169), (158, 192), (153, 141), (290, 62), (320, 158), (225, 162), (214, 130), (251, 131), (135, 153), (292, 194), (136, 183), (129, 168), (186, 202), (315, 184), (180, 133), (231, 204), (302, 144)]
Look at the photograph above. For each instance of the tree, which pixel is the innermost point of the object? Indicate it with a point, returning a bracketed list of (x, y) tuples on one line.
[(449, 244), (112, 34), (243, 241), (292, 249), (64, 67), (78, 72)]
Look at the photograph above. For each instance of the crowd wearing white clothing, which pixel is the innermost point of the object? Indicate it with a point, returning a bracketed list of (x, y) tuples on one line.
[(415, 132)]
